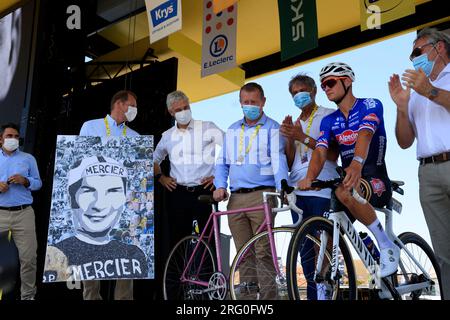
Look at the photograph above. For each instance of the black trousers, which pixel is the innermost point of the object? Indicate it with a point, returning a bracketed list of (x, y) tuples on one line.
[(184, 207)]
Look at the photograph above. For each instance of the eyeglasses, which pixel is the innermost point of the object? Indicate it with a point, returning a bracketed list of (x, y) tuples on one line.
[(330, 83), (418, 51)]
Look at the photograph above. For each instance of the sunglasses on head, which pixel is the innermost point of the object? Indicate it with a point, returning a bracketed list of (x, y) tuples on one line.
[(419, 50), (330, 83)]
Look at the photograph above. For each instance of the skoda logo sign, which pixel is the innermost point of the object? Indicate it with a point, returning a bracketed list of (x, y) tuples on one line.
[(218, 46)]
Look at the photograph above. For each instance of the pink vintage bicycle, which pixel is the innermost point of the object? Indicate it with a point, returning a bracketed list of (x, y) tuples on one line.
[(194, 270)]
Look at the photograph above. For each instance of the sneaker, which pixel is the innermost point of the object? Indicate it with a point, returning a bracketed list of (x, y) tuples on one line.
[(324, 291), (389, 258)]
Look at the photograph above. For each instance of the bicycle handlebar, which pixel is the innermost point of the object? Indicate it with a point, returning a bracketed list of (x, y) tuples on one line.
[(334, 183), (287, 192)]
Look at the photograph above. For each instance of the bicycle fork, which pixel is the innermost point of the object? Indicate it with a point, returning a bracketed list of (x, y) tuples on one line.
[(324, 238)]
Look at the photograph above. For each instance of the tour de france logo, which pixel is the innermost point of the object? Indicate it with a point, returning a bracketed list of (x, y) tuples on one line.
[(218, 46)]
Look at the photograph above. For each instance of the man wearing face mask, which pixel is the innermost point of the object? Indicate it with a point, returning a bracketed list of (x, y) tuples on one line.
[(301, 141), (123, 109), (19, 176), (190, 145), (253, 158), (425, 114)]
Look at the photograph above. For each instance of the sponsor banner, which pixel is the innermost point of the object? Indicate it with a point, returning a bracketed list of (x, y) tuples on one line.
[(101, 217), (298, 27), (374, 13), (219, 39), (220, 5), (164, 18)]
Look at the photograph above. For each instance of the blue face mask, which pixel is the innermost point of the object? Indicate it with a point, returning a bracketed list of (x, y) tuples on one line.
[(251, 112), (422, 62), (302, 99)]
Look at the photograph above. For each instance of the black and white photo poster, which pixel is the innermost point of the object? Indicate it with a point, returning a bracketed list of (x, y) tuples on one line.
[(101, 219)]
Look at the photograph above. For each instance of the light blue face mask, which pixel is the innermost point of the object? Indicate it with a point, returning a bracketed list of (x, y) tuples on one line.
[(422, 62), (302, 99), (251, 112)]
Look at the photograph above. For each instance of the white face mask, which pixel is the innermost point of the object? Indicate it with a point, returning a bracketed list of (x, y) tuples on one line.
[(10, 144), (183, 117), (131, 113)]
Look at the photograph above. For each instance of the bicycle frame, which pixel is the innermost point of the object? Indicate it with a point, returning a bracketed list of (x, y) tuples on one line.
[(342, 223), (214, 219)]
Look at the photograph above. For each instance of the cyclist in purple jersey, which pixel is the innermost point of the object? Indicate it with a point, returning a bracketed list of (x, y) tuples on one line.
[(357, 127)]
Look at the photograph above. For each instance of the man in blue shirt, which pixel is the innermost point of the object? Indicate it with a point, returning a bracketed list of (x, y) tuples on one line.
[(19, 176), (123, 108), (253, 158)]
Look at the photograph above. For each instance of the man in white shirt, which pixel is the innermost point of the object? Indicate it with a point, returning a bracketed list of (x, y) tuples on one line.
[(425, 114), (301, 141), (123, 109), (190, 145)]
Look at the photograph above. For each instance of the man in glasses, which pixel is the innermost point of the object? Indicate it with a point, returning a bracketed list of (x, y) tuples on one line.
[(425, 114), (358, 129), (301, 141)]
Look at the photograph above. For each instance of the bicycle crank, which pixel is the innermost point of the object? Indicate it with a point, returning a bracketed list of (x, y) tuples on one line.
[(217, 286)]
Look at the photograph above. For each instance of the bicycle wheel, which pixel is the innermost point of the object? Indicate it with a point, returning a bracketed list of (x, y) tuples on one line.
[(409, 273), (302, 263), (253, 275), (201, 269)]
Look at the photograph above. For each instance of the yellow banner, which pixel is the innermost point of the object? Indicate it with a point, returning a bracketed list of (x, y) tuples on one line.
[(375, 13), (220, 5)]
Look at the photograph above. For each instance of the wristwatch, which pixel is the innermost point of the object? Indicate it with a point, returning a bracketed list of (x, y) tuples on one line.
[(306, 141), (359, 159), (158, 176), (433, 93)]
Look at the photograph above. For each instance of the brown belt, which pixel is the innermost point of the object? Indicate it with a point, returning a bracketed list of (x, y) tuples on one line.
[(442, 157)]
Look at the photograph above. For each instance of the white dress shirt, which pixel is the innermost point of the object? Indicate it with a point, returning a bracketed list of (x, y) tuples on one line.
[(299, 169), (97, 128), (191, 151), (431, 122)]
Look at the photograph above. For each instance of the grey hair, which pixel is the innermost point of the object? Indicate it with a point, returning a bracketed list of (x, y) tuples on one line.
[(302, 78), (176, 96), (434, 35)]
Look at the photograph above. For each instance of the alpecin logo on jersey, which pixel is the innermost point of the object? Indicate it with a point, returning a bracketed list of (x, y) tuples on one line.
[(348, 137), (378, 186)]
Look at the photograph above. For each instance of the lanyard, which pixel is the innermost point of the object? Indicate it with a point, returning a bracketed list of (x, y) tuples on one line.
[(108, 129), (241, 141), (308, 128)]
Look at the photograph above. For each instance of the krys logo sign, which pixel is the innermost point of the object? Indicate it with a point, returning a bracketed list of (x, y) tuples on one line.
[(218, 46), (164, 12)]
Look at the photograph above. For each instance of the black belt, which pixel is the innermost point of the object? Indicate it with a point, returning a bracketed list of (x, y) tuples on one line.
[(192, 188), (248, 190), (442, 157), (16, 208)]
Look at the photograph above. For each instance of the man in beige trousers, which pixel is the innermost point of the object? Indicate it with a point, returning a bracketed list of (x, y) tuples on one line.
[(19, 176)]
